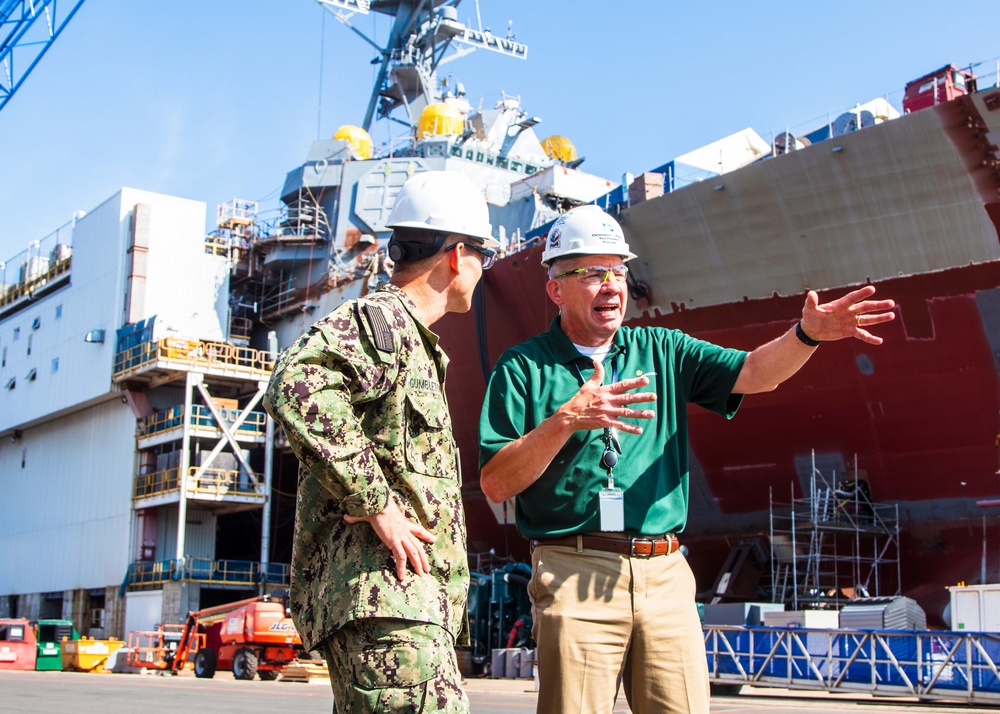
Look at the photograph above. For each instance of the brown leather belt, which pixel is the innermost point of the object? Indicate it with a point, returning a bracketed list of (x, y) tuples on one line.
[(632, 547)]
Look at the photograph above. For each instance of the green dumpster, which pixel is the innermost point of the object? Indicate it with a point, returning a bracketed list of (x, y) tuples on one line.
[(50, 635)]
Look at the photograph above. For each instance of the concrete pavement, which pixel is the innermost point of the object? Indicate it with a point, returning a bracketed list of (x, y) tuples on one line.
[(77, 693)]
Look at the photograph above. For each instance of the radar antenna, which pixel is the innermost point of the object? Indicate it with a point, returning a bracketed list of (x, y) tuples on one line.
[(422, 32)]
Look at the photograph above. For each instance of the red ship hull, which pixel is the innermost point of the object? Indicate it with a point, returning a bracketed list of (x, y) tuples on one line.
[(916, 416)]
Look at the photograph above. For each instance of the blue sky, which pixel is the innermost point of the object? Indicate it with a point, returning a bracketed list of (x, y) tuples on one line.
[(218, 99)]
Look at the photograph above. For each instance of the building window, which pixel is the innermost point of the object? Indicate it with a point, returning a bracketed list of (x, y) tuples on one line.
[(29, 345), (95, 600), (17, 333), (55, 365), (3, 360), (32, 374), (58, 311), (11, 383), (36, 323)]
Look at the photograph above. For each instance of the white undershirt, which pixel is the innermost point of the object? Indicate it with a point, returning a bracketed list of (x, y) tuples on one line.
[(595, 353)]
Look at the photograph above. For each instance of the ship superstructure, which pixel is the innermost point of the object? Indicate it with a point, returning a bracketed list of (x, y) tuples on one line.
[(328, 243)]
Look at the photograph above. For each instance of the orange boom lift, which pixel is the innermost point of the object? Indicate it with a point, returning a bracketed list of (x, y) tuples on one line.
[(253, 637)]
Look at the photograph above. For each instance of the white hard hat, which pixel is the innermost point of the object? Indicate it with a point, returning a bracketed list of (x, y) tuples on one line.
[(585, 230), (444, 202)]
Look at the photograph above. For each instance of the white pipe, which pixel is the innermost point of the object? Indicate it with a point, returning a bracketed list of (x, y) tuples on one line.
[(265, 525), (189, 382)]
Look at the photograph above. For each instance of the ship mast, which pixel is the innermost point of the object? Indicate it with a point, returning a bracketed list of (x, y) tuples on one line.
[(422, 33)]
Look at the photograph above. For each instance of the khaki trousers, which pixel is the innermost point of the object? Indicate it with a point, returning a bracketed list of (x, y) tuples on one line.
[(602, 620)]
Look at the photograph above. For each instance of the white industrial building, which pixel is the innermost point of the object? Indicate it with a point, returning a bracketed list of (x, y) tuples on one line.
[(130, 424)]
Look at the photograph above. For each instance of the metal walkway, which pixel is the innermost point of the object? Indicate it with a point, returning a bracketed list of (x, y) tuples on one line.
[(928, 665)]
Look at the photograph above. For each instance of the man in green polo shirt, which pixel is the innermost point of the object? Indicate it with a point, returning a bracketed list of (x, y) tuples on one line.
[(602, 499)]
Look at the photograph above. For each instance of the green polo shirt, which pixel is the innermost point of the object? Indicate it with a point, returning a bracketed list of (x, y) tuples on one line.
[(533, 379)]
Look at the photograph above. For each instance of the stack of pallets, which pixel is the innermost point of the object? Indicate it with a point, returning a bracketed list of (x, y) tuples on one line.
[(308, 671)]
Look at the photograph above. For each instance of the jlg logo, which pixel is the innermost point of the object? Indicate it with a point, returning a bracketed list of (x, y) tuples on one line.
[(281, 626)]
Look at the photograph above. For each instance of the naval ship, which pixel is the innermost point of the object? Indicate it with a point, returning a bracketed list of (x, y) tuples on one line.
[(890, 451), (135, 348)]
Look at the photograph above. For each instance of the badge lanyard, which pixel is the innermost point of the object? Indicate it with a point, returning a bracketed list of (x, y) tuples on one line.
[(611, 499)]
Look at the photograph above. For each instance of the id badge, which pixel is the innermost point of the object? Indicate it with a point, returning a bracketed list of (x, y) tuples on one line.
[(612, 504)]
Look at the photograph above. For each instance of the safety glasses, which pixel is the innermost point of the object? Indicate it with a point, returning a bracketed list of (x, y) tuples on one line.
[(597, 274), (489, 255)]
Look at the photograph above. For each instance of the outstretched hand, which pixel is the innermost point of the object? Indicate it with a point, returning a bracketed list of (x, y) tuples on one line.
[(848, 316), (598, 405), (401, 537)]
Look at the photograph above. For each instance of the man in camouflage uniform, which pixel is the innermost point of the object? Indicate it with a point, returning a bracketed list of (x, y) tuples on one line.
[(361, 399)]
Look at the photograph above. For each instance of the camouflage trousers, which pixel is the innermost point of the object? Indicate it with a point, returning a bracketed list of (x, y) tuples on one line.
[(389, 665)]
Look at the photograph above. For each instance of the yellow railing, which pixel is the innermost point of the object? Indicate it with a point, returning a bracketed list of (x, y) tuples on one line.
[(240, 328), (212, 482), (214, 245), (15, 292), (151, 572), (156, 483), (201, 418), (206, 570), (221, 482), (196, 353)]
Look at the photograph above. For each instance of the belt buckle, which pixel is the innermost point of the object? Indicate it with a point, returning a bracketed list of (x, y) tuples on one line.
[(634, 554)]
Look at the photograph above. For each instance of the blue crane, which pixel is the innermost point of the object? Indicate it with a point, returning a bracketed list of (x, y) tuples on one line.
[(27, 30)]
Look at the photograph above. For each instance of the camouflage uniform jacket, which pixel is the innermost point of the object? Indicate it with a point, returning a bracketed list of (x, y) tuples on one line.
[(361, 399)]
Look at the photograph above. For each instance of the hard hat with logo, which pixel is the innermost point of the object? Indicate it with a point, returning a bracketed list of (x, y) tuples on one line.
[(444, 202), (585, 230)]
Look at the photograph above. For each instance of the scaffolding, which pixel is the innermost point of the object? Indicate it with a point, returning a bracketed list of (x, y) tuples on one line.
[(834, 545)]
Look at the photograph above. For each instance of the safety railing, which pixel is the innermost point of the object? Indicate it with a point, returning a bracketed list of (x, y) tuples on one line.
[(276, 573), (211, 482), (216, 245), (220, 482), (155, 649), (151, 572), (240, 328), (200, 418), (197, 354), (923, 664), (236, 212), (207, 570), (32, 282), (156, 483), (223, 572)]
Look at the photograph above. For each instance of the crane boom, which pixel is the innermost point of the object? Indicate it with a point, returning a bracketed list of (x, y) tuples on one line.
[(27, 30)]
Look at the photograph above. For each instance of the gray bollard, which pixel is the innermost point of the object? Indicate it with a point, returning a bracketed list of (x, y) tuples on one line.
[(527, 664), (513, 663), (498, 663)]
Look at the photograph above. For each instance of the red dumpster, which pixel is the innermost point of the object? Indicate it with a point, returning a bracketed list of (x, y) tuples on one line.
[(18, 647)]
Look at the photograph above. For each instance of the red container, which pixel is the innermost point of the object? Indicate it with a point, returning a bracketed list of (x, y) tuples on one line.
[(18, 647), (937, 87)]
